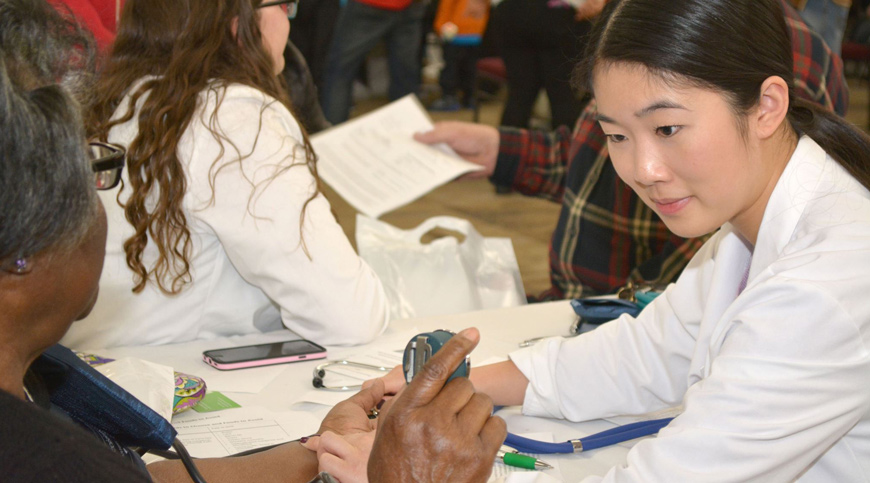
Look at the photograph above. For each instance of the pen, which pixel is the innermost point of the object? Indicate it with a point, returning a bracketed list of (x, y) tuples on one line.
[(522, 461)]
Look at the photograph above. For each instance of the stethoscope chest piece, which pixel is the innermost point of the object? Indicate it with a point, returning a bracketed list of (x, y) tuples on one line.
[(422, 347)]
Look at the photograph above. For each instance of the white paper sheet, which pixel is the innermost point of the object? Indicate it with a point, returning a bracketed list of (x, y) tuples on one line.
[(222, 433), (374, 163), (153, 384)]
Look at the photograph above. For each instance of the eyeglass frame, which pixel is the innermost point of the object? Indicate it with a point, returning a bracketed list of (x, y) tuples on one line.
[(292, 6), (116, 159)]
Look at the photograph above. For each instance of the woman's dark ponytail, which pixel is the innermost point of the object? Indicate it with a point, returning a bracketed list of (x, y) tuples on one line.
[(840, 139)]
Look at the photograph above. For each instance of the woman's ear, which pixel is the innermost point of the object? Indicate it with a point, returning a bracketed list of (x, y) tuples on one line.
[(772, 106)]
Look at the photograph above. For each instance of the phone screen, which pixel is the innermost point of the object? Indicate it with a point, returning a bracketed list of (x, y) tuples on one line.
[(264, 351)]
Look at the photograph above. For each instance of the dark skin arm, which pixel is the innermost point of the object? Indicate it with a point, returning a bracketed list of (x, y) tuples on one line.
[(288, 463), (435, 432)]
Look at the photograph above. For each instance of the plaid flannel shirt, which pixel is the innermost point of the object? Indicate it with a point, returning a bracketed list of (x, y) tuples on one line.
[(605, 235)]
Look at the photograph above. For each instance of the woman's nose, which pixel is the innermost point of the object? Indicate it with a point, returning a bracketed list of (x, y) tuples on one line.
[(649, 167)]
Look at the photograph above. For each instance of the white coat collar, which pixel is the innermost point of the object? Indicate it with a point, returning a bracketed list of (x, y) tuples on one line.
[(800, 183)]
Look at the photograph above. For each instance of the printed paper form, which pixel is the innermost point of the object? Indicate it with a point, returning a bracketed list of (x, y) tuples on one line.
[(223, 433), (374, 163)]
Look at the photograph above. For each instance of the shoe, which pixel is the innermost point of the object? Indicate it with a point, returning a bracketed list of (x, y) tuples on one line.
[(446, 103)]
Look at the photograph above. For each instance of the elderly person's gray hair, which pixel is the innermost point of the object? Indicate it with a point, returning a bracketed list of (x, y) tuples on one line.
[(47, 194)]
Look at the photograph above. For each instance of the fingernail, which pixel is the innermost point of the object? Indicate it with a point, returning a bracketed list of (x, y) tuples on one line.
[(467, 333), (303, 440), (380, 404)]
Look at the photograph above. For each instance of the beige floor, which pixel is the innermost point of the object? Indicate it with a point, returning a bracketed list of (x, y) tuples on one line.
[(529, 222)]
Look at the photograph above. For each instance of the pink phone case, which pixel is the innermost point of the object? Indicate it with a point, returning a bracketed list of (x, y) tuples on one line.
[(262, 362)]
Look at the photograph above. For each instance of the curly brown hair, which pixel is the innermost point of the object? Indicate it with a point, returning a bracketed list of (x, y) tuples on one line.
[(180, 48)]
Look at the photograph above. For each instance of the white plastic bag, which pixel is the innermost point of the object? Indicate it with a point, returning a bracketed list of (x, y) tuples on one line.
[(442, 277)]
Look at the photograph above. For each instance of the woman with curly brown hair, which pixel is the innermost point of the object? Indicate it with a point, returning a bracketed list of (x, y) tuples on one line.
[(219, 227)]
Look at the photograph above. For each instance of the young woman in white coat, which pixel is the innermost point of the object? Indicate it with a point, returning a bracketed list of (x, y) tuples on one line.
[(219, 227), (764, 341)]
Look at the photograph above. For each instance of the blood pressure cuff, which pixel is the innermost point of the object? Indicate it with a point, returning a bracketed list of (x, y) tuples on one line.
[(94, 401), (598, 311)]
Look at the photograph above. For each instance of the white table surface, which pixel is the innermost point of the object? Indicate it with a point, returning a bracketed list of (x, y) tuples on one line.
[(501, 332)]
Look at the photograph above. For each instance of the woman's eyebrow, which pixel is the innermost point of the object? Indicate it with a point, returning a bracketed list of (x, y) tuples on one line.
[(659, 105)]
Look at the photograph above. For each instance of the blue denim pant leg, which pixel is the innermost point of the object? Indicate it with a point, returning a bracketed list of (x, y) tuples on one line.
[(403, 50), (828, 19), (358, 29)]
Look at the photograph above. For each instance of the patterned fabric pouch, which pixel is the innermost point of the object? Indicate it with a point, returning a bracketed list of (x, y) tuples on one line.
[(189, 390)]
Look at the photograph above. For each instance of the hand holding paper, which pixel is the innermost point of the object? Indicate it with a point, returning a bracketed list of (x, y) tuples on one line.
[(375, 164)]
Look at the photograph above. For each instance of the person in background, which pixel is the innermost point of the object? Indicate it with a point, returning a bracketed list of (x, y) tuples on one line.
[(827, 17), (605, 236), (219, 227), (311, 32), (362, 24), (52, 246), (460, 25), (540, 41)]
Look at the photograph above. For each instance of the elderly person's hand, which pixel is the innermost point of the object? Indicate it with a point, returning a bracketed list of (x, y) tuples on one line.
[(436, 432), (352, 415)]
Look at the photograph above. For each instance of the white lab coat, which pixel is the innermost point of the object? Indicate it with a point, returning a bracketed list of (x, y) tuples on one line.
[(775, 381), (250, 271)]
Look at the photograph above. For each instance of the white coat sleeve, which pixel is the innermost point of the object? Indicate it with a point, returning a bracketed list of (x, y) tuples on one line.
[(626, 366), (324, 290), (781, 392)]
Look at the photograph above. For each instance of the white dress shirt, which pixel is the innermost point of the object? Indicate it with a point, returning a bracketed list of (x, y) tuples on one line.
[(250, 270), (775, 381)]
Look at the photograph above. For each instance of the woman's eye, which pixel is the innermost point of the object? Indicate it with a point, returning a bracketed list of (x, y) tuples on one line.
[(615, 138), (667, 131)]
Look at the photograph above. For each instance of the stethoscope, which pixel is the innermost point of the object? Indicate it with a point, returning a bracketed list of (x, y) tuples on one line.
[(320, 373), (599, 440)]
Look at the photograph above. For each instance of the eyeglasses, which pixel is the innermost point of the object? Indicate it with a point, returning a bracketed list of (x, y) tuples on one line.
[(288, 6), (107, 162)]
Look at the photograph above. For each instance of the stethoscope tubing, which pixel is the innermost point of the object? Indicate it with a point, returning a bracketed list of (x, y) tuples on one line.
[(599, 440)]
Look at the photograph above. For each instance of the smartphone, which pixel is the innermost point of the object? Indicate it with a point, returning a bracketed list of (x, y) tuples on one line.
[(263, 354)]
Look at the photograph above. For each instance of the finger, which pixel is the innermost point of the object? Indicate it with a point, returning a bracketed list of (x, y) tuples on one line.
[(444, 132), (429, 381), (387, 404), (455, 396), (370, 396), (493, 433), (336, 467), (334, 444), (394, 381), (476, 413), (312, 443)]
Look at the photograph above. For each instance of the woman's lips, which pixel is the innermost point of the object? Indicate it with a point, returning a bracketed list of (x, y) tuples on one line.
[(671, 206)]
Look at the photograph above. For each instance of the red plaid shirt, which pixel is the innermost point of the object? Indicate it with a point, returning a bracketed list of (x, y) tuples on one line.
[(605, 235)]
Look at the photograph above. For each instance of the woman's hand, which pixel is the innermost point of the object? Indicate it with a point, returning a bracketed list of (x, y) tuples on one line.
[(436, 432), (345, 457)]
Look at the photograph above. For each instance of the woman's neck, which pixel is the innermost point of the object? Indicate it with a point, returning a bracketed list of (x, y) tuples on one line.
[(775, 153)]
